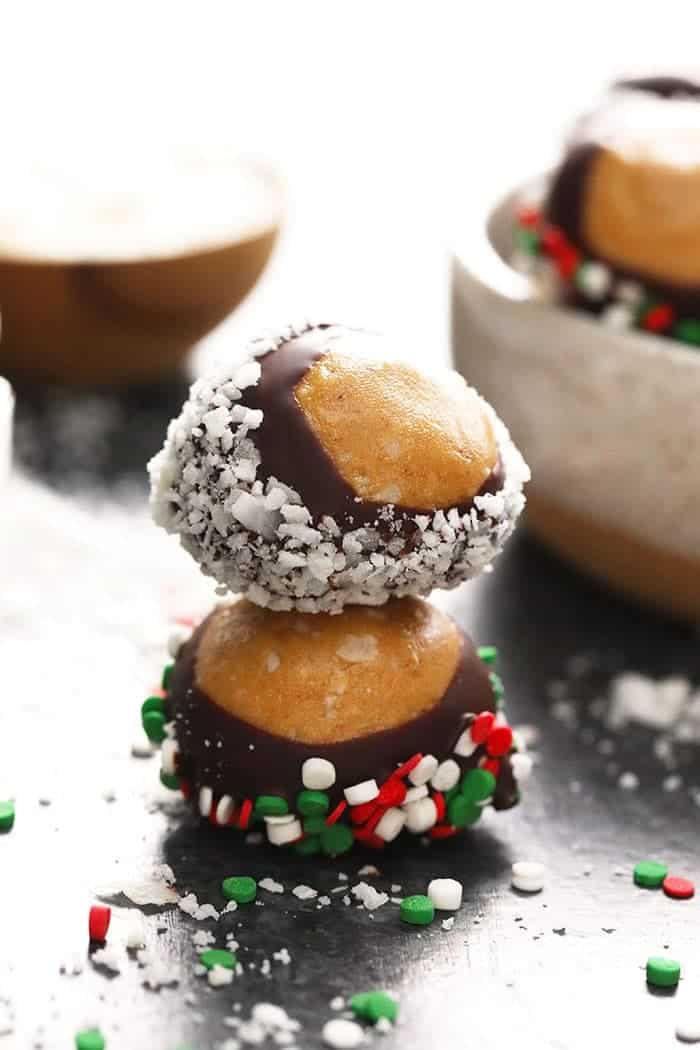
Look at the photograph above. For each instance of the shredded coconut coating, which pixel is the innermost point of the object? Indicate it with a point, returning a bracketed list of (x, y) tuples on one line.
[(254, 536)]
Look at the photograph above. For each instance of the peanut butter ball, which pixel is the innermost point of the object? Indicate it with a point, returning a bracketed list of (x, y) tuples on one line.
[(324, 471), (336, 729), (620, 223)]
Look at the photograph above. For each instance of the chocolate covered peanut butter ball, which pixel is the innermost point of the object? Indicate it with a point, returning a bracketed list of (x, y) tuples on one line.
[(329, 730), (324, 472), (620, 221)]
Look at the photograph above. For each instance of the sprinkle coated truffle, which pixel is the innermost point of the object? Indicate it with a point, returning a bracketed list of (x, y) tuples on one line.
[(319, 473)]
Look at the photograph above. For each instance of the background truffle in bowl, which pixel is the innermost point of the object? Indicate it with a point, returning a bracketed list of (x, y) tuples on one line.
[(137, 267), (607, 420)]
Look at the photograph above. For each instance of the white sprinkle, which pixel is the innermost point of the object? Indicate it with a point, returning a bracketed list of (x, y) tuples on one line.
[(465, 745), (342, 1034), (271, 886), (219, 976), (142, 748), (134, 932), (628, 781), (447, 924), (521, 766), (282, 834), (358, 794), (338, 1003), (383, 1026), (688, 1026), (305, 893), (421, 815), (618, 316), (413, 794), (528, 876), (317, 774), (423, 772), (206, 797), (390, 825), (594, 280), (446, 776), (168, 756), (446, 894), (672, 782), (629, 292)]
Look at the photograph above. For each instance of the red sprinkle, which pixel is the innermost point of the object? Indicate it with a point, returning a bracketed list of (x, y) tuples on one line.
[(553, 241), (567, 261), (368, 838), (499, 741), (98, 923), (658, 319), (482, 726), (212, 811), (392, 793), (440, 805), (362, 813), (336, 813), (374, 820), (492, 764), (678, 888), (186, 789), (407, 767), (528, 216), (245, 813), (442, 831)]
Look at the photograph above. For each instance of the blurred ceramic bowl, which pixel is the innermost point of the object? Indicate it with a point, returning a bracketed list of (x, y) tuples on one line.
[(111, 278), (608, 420)]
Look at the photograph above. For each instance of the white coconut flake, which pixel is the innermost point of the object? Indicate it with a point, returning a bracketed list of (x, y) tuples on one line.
[(368, 896)]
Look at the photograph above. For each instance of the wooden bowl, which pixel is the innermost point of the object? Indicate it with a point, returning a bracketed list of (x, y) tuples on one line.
[(608, 421), (125, 301)]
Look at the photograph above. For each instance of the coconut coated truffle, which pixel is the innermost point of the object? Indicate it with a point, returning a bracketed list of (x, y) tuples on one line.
[(368, 724), (615, 224), (322, 472)]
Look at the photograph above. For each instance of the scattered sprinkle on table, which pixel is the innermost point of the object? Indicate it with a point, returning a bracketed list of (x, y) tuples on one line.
[(90, 1039), (342, 1034), (663, 972), (217, 957), (528, 876), (650, 874), (7, 815), (371, 1006), (240, 888), (446, 894), (678, 888), (688, 1026), (417, 910), (98, 922)]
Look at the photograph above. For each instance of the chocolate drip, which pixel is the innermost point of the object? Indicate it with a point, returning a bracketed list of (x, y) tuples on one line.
[(291, 452), (252, 761), (566, 202)]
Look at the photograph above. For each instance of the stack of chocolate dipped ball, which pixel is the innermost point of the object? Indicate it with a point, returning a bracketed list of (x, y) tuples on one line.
[(332, 485)]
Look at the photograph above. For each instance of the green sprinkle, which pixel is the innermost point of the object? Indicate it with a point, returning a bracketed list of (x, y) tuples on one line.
[(308, 846), (461, 812), (154, 726), (336, 839), (90, 1039), (167, 676), (270, 806), (7, 815), (314, 825), (417, 910), (478, 785), (650, 874), (170, 780), (527, 241), (154, 703), (688, 331), (497, 686), (312, 803), (662, 972), (217, 957), (372, 1006), (240, 888), (488, 654)]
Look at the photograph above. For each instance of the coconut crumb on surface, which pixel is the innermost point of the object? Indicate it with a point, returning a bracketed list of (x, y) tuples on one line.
[(368, 896), (271, 885), (305, 893)]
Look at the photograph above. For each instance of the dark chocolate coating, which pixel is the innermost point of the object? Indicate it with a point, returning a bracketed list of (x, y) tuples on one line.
[(252, 762), (290, 450)]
